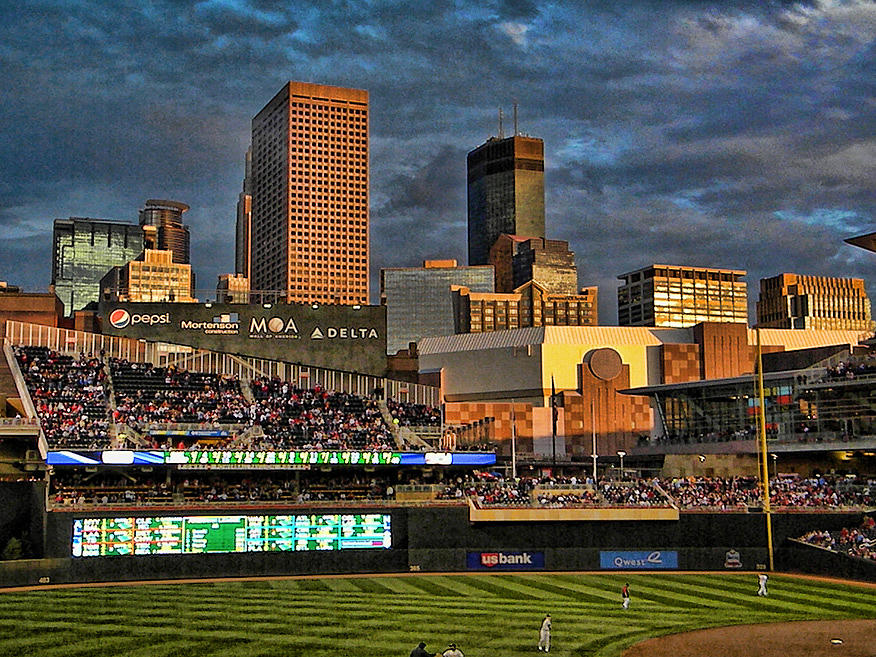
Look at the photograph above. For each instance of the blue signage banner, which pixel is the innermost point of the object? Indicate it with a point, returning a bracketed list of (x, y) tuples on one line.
[(647, 560), (505, 561)]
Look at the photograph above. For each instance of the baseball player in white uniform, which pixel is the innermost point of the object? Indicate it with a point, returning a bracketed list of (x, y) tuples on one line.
[(544, 635), (761, 584)]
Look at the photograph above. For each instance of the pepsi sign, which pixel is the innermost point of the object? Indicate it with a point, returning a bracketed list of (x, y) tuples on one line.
[(121, 318)]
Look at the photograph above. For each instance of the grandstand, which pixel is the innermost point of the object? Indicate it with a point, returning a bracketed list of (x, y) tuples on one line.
[(247, 466)]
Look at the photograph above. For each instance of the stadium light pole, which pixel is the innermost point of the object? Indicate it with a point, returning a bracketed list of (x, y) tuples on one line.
[(593, 437), (553, 427), (621, 453), (764, 465), (513, 442)]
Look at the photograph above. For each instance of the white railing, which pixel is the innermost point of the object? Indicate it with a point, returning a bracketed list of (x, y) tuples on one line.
[(162, 354)]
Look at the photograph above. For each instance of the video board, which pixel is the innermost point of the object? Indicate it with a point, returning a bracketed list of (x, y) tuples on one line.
[(149, 535), (277, 459)]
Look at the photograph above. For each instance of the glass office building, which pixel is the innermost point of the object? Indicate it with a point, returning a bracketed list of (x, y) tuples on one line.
[(84, 250), (418, 300), (674, 296)]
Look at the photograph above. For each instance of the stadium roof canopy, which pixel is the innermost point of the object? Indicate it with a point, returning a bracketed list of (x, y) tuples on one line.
[(645, 336), (867, 241)]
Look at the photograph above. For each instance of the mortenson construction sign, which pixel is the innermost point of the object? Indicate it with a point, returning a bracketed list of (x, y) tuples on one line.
[(335, 337)]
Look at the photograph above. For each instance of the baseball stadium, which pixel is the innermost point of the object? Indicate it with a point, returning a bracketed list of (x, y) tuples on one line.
[(255, 481)]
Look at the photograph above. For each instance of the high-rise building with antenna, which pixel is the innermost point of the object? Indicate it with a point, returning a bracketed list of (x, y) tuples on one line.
[(505, 191), (243, 227)]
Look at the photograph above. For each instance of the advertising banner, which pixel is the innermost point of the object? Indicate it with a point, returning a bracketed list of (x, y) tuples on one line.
[(632, 560), (217, 459), (346, 338), (505, 561)]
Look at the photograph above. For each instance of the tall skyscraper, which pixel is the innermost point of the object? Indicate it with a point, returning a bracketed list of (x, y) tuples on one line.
[(505, 193), (83, 251), (793, 301), (674, 296), (244, 221), (310, 195), (164, 230)]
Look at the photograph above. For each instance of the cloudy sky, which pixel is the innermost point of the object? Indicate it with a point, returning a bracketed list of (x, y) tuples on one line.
[(726, 134)]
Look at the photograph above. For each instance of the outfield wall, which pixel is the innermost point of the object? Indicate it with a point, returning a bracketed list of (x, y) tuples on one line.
[(442, 539)]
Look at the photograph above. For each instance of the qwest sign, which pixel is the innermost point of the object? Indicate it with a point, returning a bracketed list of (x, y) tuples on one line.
[(654, 559), (505, 560), (336, 337)]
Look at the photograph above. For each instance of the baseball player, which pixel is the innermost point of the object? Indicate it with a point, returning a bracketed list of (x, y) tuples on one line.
[(544, 635), (452, 651), (625, 595), (761, 584)]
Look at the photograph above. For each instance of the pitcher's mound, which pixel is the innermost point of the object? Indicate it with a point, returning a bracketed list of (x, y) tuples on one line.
[(843, 638)]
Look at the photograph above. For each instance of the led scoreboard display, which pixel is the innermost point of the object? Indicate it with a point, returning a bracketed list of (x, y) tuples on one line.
[(101, 537)]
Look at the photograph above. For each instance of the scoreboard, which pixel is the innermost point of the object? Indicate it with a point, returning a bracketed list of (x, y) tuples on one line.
[(100, 537)]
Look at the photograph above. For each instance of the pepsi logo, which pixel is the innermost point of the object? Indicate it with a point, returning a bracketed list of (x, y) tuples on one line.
[(119, 318)]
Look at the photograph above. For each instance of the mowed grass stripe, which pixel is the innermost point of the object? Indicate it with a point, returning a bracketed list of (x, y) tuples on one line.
[(605, 588), (697, 593), (433, 586), (491, 585), (371, 586), (496, 614), (741, 593)]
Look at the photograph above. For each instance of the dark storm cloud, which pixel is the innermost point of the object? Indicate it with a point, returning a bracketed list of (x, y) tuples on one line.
[(735, 134)]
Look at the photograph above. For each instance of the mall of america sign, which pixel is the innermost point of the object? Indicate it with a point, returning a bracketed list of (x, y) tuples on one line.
[(335, 337)]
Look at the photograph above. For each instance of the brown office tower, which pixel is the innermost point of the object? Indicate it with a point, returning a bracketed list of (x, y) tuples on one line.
[(792, 301), (519, 260), (505, 193), (163, 228), (309, 234)]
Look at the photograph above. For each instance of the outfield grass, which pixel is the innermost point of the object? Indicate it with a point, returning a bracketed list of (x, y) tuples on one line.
[(488, 616)]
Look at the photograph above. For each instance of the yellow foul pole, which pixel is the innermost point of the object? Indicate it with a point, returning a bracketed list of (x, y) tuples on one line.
[(764, 466)]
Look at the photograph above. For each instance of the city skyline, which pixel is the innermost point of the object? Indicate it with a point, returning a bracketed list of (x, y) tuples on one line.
[(733, 135)]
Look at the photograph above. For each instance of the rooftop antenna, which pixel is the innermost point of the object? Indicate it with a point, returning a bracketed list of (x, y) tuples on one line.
[(516, 132), (501, 129)]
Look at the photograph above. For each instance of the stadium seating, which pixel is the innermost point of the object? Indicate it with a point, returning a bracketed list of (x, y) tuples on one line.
[(69, 396)]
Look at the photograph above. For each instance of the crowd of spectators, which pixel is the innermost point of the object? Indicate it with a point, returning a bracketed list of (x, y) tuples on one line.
[(71, 400), (821, 491), (686, 493), (856, 542), (491, 490), (417, 415), (147, 394), (68, 395), (565, 499), (485, 488), (713, 492), (315, 418), (133, 489), (488, 489), (856, 366), (640, 492)]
